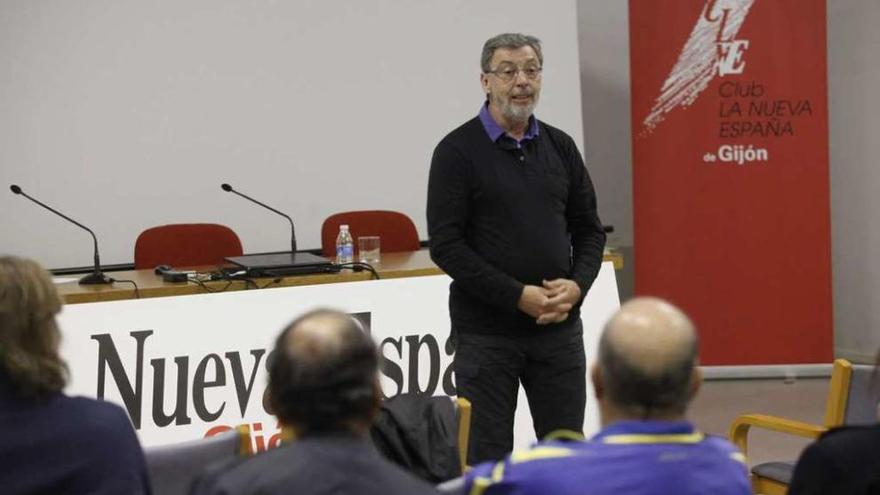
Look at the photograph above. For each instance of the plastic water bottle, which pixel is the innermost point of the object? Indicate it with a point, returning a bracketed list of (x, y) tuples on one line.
[(344, 246)]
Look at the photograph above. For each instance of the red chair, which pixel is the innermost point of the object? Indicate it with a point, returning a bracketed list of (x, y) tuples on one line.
[(185, 244), (397, 231)]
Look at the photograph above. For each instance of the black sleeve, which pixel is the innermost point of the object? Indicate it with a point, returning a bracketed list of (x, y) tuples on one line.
[(814, 474), (587, 235), (448, 198)]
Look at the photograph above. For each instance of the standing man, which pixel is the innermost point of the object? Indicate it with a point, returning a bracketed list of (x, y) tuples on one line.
[(512, 219)]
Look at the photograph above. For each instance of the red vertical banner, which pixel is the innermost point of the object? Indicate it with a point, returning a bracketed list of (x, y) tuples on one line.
[(730, 173)]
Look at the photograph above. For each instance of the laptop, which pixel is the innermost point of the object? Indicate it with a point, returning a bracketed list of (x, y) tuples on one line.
[(282, 264)]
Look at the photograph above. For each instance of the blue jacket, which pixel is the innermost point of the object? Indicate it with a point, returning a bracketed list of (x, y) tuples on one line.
[(70, 445), (632, 457)]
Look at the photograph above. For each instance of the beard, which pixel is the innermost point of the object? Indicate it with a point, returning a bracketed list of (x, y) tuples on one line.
[(513, 112)]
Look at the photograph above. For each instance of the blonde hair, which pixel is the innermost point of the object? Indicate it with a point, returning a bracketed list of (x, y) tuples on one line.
[(29, 335)]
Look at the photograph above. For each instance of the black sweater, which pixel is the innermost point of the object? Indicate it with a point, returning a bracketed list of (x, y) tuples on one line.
[(844, 461), (500, 217)]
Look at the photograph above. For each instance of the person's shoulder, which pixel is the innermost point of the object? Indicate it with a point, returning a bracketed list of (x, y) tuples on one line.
[(536, 467), (723, 448), (848, 437), (302, 464), (403, 481), (237, 475), (105, 427), (852, 431), (717, 443), (247, 474), (96, 415), (464, 133), (555, 133)]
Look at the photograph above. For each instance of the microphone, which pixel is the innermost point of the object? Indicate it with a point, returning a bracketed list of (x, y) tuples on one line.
[(228, 188), (96, 277)]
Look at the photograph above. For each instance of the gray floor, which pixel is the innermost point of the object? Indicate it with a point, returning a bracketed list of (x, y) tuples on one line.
[(719, 402)]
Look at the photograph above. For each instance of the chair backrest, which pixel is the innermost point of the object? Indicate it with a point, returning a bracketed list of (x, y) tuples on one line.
[(185, 244), (838, 390), (397, 231), (863, 397), (853, 395), (174, 468)]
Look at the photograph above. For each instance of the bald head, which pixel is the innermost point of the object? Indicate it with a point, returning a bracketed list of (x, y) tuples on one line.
[(323, 372), (647, 359)]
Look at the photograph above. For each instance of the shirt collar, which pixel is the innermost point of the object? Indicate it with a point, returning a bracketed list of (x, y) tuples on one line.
[(647, 428), (495, 131)]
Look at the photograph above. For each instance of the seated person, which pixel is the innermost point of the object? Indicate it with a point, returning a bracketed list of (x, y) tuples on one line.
[(49, 442), (844, 460), (324, 385), (644, 378)]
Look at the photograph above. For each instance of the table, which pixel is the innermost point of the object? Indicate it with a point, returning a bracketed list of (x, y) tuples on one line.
[(393, 265)]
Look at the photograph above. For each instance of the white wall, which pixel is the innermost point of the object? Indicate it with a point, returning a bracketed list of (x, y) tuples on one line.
[(854, 78), (604, 53), (128, 114)]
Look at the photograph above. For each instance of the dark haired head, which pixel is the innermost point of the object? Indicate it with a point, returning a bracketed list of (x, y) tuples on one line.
[(647, 359), (323, 374), (29, 336)]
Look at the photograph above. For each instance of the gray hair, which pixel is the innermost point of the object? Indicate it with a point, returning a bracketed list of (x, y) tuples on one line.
[(511, 41)]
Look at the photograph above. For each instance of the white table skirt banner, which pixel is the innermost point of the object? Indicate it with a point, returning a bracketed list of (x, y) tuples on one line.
[(186, 367)]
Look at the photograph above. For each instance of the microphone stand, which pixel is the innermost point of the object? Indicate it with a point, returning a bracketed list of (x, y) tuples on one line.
[(228, 188), (97, 276)]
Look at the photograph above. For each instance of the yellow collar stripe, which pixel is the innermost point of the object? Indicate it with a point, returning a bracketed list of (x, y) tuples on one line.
[(564, 435), (539, 453), (480, 485), (498, 472), (695, 437)]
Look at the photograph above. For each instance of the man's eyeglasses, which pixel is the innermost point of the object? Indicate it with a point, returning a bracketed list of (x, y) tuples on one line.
[(508, 72)]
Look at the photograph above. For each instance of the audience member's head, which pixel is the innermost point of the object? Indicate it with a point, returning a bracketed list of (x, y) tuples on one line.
[(29, 336), (323, 374), (647, 362)]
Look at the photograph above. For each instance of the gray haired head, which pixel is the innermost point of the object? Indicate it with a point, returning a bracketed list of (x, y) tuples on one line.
[(510, 41)]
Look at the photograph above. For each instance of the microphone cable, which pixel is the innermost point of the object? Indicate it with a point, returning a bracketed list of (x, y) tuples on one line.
[(208, 289), (360, 266), (137, 292)]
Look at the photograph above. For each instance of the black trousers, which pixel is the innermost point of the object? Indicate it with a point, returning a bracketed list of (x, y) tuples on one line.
[(489, 368)]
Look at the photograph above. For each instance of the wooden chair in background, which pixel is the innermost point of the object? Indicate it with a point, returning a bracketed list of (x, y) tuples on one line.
[(851, 401)]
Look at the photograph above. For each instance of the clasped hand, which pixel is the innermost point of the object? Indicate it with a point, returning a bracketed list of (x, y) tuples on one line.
[(551, 302)]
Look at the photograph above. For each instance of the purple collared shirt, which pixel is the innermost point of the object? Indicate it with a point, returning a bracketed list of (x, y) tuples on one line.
[(495, 131)]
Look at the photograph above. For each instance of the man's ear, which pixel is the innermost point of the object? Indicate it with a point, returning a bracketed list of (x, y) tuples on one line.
[(377, 398), (596, 378), (268, 402), (696, 381), (484, 82)]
